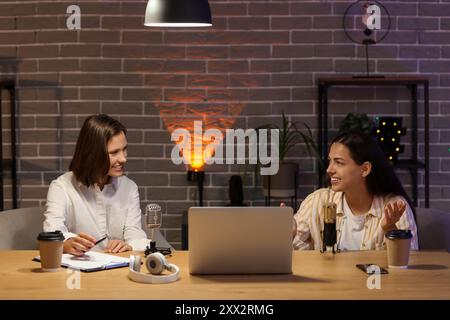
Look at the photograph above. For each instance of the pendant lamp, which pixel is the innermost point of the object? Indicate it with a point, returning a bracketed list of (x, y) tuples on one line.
[(178, 13)]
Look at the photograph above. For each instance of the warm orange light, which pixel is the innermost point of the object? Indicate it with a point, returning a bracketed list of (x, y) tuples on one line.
[(213, 116), (197, 162)]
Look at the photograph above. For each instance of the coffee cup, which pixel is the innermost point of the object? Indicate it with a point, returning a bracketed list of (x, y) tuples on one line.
[(398, 245), (50, 250)]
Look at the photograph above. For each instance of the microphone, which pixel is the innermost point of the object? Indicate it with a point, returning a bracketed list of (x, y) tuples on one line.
[(153, 217), (329, 238)]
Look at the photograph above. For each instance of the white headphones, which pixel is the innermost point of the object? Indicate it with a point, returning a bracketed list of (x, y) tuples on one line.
[(155, 263)]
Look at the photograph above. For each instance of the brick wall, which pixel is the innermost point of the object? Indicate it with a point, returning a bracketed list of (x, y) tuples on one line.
[(261, 56)]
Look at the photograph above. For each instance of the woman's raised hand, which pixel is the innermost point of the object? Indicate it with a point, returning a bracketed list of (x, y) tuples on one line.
[(393, 211)]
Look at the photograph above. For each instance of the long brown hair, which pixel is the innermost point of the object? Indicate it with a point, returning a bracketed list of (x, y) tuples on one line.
[(90, 162), (382, 180)]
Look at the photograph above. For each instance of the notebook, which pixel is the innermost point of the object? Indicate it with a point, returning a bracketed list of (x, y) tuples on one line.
[(240, 240), (92, 261)]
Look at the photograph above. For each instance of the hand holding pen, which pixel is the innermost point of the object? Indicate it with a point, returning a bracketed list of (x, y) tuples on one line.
[(80, 244), (97, 242)]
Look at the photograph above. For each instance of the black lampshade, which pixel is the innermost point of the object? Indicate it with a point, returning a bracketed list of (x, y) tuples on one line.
[(178, 13)]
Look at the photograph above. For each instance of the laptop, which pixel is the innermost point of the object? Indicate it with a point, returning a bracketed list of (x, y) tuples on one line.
[(240, 240)]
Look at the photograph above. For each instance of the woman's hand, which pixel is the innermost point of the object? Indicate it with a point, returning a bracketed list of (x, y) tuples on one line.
[(116, 246), (392, 214), (79, 245)]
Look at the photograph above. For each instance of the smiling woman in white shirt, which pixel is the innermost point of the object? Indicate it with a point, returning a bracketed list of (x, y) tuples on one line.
[(368, 196), (94, 199)]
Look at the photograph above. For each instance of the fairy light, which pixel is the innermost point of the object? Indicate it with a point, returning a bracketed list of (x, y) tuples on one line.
[(389, 132)]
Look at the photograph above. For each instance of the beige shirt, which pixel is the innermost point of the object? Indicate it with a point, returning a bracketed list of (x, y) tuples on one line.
[(115, 211), (309, 221)]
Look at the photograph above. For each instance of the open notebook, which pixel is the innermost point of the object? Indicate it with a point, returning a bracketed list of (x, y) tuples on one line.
[(92, 261)]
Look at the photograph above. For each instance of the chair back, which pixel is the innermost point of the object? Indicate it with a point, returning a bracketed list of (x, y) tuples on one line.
[(20, 228), (433, 228)]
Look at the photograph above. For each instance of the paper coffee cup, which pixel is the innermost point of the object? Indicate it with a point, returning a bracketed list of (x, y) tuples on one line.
[(50, 250), (398, 246)]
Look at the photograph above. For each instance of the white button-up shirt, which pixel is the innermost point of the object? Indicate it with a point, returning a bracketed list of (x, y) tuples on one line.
[(114, 211)]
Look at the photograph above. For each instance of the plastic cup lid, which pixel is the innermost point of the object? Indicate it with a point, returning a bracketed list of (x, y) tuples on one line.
[(399, 234), (51, 236)]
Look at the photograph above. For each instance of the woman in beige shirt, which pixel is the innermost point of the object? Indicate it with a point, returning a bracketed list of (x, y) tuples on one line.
[(368, 196)]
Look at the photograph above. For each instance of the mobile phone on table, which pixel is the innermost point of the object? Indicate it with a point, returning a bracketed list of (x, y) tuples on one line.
[(371, 268)]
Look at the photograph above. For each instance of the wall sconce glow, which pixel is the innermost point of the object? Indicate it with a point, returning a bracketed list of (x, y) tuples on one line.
[(178, 13)]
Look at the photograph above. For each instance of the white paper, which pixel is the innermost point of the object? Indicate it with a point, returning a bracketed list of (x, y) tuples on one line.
[(92, 260)]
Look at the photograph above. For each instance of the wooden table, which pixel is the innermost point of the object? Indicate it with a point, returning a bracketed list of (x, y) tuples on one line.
[(315, 276)]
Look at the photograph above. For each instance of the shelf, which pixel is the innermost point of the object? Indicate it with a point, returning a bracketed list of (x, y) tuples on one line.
[(409, 164), (412, 83), (9, 164), (386, 81)]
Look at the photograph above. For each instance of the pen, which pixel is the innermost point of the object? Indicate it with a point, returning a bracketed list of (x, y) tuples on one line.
[(97, 242)]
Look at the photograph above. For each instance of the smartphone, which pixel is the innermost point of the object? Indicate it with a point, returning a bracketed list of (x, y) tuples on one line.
[(371, 268)]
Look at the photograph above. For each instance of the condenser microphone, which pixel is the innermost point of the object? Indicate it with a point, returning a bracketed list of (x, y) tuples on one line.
[(329, 238)]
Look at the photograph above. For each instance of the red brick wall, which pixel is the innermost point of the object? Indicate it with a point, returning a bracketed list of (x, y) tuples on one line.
[(263, 55)]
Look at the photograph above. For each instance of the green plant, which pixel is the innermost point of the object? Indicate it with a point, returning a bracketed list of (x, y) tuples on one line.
[(290, 136), (357, 122)]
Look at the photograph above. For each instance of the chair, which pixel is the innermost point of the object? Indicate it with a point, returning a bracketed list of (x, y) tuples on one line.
[(20, 228), (433, 228)]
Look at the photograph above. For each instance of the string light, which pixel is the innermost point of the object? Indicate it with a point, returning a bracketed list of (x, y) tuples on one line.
[(389, 132)]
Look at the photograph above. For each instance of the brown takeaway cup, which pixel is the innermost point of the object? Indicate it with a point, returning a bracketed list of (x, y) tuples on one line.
[(398, 245), (50, 250)]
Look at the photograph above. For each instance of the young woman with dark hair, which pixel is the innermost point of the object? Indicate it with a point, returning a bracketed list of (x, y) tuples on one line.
[(368, 196), (94, 199)]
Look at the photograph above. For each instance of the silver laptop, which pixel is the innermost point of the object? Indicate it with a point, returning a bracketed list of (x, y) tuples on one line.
[(240, 240)]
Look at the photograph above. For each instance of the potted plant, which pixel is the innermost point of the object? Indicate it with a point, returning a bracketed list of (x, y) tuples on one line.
[(283, 183), (357, 122)]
